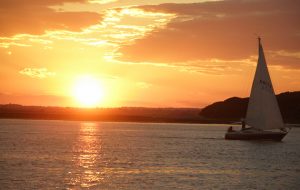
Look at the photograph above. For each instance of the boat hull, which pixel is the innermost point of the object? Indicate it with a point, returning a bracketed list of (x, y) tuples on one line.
[(266, 135)]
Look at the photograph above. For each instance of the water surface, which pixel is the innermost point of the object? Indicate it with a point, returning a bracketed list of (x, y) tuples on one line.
[(37, 154)]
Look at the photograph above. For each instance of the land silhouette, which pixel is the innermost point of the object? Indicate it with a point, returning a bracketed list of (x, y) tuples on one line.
[(227, 111), (233, 109), (122, 114)]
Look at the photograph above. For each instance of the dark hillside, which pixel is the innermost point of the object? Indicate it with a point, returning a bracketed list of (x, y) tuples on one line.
[(233, 109)]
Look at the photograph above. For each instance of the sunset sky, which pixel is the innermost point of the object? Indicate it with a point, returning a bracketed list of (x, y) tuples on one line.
[(149, 53)]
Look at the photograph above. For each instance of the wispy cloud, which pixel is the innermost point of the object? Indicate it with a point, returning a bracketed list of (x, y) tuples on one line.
[(286, 53), (143, 85), (102, 1), (37, 72), (119, 26), (204, 66)]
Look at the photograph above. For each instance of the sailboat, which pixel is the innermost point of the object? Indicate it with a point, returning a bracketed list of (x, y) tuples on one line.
[(263, 118)]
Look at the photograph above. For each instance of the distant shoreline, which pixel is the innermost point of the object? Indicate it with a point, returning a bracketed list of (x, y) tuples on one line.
[(123, 114), (141, 114)]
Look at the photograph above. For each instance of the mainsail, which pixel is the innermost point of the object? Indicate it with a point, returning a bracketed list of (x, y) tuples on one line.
[(263, 110)]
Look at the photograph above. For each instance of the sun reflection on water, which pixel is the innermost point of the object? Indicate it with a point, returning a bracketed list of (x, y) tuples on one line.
[(88, 150)]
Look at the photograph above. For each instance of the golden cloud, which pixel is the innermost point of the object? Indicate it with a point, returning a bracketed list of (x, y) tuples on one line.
[(37, 72), (102, 1)]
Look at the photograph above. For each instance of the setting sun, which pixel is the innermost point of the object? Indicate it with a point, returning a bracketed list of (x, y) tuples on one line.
[(88, 91)]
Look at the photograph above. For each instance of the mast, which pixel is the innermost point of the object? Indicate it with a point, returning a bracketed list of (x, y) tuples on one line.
[(263, 110)]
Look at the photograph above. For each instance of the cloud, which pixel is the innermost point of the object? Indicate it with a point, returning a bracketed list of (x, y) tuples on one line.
[(206, 66), (118, 27), (288, 60), (37, 72), (143, 85), (223, 30), (102, 1), (36, 17)]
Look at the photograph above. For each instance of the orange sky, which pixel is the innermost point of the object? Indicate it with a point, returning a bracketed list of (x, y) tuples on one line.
[(180, 53)]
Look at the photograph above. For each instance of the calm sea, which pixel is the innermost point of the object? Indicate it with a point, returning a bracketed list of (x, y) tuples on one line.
[(101, 155)]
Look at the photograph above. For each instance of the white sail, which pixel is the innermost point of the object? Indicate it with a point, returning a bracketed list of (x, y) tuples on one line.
[(263, 110)]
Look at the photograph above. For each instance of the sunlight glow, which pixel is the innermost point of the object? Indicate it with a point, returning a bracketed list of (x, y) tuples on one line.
[(88, 91)]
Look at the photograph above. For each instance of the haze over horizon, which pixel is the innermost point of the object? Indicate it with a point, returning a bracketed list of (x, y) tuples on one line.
[(172, 53)]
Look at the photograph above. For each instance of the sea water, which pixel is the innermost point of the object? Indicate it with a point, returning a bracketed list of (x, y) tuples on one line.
[(37, 154)]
